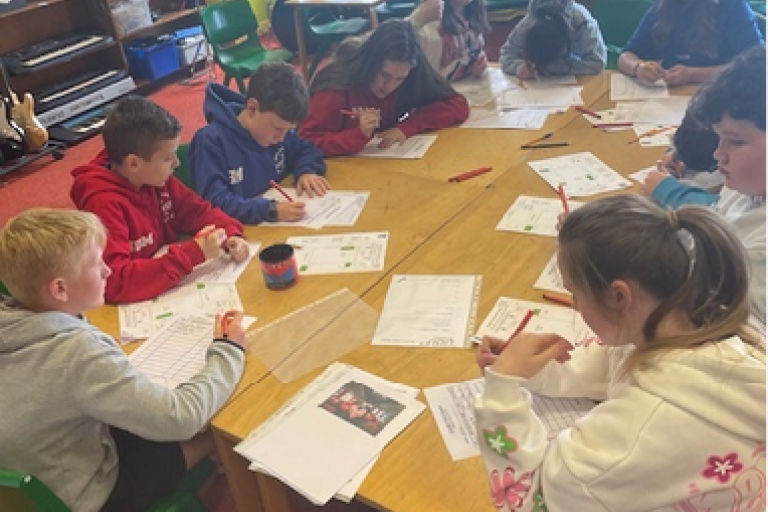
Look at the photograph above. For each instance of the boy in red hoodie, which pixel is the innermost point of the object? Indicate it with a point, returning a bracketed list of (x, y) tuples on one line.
[(130, 186)]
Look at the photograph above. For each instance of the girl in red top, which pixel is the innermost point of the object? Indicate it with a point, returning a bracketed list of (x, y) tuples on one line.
[(383, 85)]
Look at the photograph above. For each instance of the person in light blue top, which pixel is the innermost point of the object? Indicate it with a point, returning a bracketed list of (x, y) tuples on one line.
[(689, 41), (556, 37)]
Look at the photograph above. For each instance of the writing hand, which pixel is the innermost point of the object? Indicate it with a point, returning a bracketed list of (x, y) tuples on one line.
[(290, 211), (652, 181), (238, 248), (526, 354), (312, 184), (210, 239), (391, 137), (650, 72), (230, 326), (368, 120), (679, 75), (480, 65), (526, 72), (488, 351)]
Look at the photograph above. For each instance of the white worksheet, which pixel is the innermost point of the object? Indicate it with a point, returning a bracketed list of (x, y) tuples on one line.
[(428, 311), (176, 353), (705, 180), (610, 116), (546, 82), (218, 270), (335, 208), (344, 253), (452, 406), (507, 314), (534, 215), (413, 147), (663, 111), (142, 319), (581, 174), (550, 278), (523, 119), (482, 90), (658, 135), (332, 432), (624, 88), (535, 98)]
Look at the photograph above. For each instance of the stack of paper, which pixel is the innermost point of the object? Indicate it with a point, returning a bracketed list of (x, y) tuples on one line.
[(326, 438)]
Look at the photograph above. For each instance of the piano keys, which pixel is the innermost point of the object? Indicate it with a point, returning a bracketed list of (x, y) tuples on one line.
[(80, 127), (53, 51)]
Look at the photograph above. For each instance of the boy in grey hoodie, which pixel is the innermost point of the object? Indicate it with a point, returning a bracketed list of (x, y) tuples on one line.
[(556, 37), (76, 414)]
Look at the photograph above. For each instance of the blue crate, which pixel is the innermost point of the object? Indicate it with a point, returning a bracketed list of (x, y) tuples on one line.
[(189, 32), (150, 59)]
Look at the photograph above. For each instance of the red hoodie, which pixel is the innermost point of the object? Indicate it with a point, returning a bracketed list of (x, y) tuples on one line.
[(337, 134), (139, 222)]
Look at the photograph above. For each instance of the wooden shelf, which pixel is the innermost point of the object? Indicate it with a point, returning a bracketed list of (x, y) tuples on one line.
[(31, 6), (167, 19)]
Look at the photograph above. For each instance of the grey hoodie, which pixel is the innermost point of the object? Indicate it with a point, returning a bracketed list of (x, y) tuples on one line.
[(64, 383), (588, 53)]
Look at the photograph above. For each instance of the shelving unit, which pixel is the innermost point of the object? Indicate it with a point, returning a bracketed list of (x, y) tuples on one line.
[(53, 148)]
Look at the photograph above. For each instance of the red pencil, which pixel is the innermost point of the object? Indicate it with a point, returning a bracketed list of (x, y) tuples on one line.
[(470, 174), (522, 325), (588, 112), (348, 113), (613, 125), (563, 199), (565, 301), (280, 189)]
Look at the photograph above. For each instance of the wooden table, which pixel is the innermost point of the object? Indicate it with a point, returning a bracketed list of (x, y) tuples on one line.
[(298, 20)]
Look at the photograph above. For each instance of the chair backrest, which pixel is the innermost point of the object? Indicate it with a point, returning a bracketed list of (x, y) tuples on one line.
[(20, 492), (618, 19), (183, 172), (229, 25), (284, 28)]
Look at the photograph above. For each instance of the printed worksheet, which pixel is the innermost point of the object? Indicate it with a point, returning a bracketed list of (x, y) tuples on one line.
[(550, 278), (413, 147), (508, 313), (335, 208), (581, 174), (142, 319), (522, 119), (536, 98), (664, 111), (428, 311), (609, 117), (654, 135), (482, 90), (534, 215), (344, 253), (219, 270), (545, 82), (452, 406), (624, 88)]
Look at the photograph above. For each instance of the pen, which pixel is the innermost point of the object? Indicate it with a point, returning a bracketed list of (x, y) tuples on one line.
[(588, 112), (541, 146), (537, 140), (650, 133), (613, 125), (565, 301), (470, 174), (280, 189), (563, 198)]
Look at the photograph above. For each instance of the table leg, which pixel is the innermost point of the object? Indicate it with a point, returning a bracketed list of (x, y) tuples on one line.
[(299, 28), (242, 482)]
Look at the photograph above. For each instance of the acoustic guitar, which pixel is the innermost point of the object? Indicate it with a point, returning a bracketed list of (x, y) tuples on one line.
[(24, 115)]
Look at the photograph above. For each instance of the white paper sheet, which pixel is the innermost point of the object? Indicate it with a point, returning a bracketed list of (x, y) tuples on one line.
[(176, 353), (624, 88), (142, 319), (428, 311), (546, 82), (534, 98), (413, 147), (222, 270), (344, 423), (523, 119), (340, 254), (335, 208), (663, 111), (581, 174), (705, 180), (484, 89), (550, 278), (452, 406), (534, 215), (660, 139)]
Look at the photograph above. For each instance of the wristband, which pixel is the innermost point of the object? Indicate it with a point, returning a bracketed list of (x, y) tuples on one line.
[(272, 215), (228, 342)]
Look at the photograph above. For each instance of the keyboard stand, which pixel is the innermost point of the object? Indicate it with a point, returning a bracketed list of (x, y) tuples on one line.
[(52, 147)]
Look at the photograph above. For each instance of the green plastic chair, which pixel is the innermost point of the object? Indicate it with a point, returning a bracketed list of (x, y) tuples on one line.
[(618, 20), (4, 290), (231, 29), (183, 172), (20, 492)]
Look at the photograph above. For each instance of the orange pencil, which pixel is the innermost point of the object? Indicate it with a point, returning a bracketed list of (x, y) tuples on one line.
[(565, 301), (280, 189), (650, 133), (563, 198), (588, 112)]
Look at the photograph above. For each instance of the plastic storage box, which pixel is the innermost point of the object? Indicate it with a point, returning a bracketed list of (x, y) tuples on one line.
[(150, 59), (191, 48)]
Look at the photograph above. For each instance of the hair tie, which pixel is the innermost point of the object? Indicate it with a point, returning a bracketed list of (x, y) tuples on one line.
[(674, 222), (685, 238)]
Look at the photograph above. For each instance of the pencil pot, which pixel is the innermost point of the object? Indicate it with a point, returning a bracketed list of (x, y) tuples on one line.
[(278, 266)]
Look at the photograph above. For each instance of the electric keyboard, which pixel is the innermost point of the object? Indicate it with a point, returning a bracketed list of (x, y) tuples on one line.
[(46, 53), (81, 127)]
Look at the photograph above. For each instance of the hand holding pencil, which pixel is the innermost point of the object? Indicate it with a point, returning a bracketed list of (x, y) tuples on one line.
[(229, 326), (526, 354)]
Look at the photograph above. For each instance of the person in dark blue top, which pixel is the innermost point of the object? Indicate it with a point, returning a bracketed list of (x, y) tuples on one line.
[(252, 140), (689, 41)]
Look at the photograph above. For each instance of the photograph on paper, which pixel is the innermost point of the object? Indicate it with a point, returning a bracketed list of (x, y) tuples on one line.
[(362, 407)]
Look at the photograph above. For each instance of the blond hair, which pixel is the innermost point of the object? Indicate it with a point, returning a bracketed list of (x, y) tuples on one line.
[(43, 243), (688, 260)]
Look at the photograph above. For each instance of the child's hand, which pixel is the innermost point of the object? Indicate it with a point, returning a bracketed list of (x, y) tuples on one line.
[(679, 75), (526, 72), (488, 351), (430, 10), (368, 120), (480, 65), (391, 137), (652, 180), (526, 354), (238, 248), (560, 219), (312, 184), (230, 327), (210, 239), (290, 211), (650, 72)]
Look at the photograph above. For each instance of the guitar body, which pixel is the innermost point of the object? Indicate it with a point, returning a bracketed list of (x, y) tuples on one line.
[(12, 143), (24, 115)]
